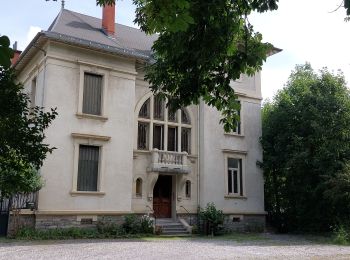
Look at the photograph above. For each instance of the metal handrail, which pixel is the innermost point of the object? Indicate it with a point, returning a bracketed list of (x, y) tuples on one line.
[(188, 214), (154, 215)]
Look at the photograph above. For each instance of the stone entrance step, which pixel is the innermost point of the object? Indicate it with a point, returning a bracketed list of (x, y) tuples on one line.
[(171, 227)]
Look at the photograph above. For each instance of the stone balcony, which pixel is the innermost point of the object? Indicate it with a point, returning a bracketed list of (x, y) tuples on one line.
[(166, 161)]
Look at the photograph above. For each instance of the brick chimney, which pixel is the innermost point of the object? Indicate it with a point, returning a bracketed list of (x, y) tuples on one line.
[(16, 54), (108, 19)]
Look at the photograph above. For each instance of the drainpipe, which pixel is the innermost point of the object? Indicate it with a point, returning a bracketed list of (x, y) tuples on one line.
[(198, 152)]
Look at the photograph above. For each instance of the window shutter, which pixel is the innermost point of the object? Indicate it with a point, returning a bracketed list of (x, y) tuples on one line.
[(88, 168), (92, 96)]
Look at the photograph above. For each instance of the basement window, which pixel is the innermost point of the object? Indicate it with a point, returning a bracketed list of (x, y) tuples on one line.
[(86, 221)]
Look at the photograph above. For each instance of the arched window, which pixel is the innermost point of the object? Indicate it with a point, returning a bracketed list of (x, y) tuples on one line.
[(139, 187), (163, 129), (188, 189)]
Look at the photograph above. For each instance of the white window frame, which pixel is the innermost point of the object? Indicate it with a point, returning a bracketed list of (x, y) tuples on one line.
[(33, 91), (135, 195), (105, 76), (91, 140), (241, 121), (239, 156), (166, 123), (185, 195)]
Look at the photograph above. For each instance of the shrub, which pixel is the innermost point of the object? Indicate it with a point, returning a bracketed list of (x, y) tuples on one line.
[(135, 225), (341, 235), (110, 230), (211, 219), (58, 233), (146, 225), (131, 224)]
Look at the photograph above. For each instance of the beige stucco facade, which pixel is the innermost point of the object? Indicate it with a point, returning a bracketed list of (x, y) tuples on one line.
[(59, 69)]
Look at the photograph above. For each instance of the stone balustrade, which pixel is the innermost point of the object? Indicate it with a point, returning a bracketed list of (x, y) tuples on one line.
[(167, 161)]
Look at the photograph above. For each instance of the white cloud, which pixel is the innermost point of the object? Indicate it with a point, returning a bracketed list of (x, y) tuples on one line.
[(307, 31), (33, 30)]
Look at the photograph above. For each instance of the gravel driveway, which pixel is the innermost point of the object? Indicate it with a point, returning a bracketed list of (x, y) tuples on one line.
[(273, 247)]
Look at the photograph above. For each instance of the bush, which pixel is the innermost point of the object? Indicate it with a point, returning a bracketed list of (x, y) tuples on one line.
[(110, 230), (69, 233), (146, 225), (134, 225), (341, 235), (211, 219)]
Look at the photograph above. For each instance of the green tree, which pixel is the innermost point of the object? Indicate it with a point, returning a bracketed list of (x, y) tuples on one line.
[(202, 47), (6, 53), (306, 151), (22, 126)]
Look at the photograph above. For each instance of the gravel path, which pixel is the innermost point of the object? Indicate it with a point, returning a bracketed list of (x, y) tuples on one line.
[(276, 247)]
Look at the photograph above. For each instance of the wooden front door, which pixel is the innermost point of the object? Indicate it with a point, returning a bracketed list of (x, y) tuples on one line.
[(162, 197)]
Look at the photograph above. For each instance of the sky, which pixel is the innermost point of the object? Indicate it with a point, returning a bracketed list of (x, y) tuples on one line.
[(306, 31)]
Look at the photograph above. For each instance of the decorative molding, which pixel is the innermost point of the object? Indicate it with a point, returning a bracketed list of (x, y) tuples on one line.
[(87, 193), (245, 213), (234, 151), (229, 196), (90, 136), (86, 63), (81, 212), (234, 135), (101, 118)]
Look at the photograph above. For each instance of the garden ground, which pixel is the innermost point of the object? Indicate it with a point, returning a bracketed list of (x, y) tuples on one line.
[(237, 246)]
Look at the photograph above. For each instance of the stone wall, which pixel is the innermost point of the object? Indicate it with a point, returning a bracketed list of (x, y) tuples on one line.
[(19, 221), (69, 221), (244, 223), (232, 223)]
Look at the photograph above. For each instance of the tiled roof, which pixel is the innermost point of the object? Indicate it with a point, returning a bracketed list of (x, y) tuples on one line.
[(70, 24)]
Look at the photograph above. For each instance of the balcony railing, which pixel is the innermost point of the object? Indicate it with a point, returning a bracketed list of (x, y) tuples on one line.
[(166, 161)]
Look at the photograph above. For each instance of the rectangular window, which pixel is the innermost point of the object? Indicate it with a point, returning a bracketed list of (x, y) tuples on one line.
[(171, 115), (238, 127), (186, 140), (172, 139), (33, 93), (158, 137), (89, 157), (144, 111), (158, 108), (188, 189), (234, 178), (92, 95), (142, 137)]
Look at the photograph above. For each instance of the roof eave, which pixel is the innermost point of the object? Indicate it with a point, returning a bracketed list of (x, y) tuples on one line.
[(78, 42)]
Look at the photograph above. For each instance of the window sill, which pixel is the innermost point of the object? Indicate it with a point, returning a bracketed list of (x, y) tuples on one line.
[(231, 196), (234, 134), (87, 193), (89, 116)]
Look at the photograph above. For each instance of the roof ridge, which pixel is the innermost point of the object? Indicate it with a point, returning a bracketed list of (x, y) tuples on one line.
[(90, 16), (54, 23)]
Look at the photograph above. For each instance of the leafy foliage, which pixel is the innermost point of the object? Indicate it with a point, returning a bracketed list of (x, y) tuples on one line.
[(211, 218), (135, 225), (202, 47), (22, 127), (306, 149), (6, 53)]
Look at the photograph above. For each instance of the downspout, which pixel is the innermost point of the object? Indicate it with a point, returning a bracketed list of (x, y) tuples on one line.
[(44, 84), (199, 153)]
